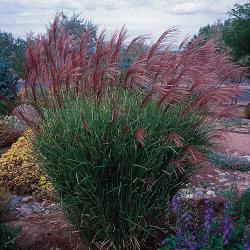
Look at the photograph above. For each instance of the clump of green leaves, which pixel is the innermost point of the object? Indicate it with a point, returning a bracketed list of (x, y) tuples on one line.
[(229, 161), (114, 164), (12, 57), (8, 234), (247, 111), (4, 201), (233, 34), (8, 237), (245, 202)]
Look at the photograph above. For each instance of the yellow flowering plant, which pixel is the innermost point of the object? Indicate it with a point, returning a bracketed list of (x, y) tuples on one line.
[(20, 173)]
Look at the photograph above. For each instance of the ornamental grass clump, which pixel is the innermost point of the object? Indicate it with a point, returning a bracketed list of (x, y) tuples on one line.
[(115, 167), (116, 142)]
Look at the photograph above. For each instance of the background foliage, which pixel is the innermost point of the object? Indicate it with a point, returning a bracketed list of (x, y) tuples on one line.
[(12, 57), (233, 33)]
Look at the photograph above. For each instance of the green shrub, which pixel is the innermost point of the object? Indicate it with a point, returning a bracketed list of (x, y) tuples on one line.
[(245, 203), (114, 164), (8, 134), (8, 237), (247, 110), (7, 234), (4, 201), (4, 108), (229, 161)]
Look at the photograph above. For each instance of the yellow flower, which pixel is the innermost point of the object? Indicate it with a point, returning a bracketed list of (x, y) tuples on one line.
[(19, 172)]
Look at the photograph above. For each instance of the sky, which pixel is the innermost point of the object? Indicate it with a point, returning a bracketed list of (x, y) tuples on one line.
[(151, 17)]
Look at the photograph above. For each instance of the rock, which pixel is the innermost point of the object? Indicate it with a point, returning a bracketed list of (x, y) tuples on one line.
[(223, 180), (200, 189), (222, 174), (247, 157), (26, 114), (44, 203), (27, 198), (199, 194), (189, 196), (24, 211), (14, 201), (217, 171), (211, 193)]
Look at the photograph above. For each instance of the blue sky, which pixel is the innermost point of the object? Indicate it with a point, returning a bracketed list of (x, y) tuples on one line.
[(139, 16)]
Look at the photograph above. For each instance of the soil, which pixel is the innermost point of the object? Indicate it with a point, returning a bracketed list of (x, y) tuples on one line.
[(44, 232), (237, 142)]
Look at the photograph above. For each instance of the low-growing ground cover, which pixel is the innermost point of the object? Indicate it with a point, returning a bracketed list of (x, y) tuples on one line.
[(8, 234), (230, 161), (19, 172)]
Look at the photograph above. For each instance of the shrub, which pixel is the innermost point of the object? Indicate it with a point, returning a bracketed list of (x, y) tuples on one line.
[(8, 237), (4, 108), (245, 203), (75, 25), (8, 234), (247, 111), (13, 122), (8, 134), (229, 161), (18, 171), (4, 201), (114, 168), (126, 139), (12, 54), (6, 80), (12, 57)]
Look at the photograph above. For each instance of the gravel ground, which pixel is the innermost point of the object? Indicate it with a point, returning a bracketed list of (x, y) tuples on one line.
[(22, 206), (239, 143), (212, 182)]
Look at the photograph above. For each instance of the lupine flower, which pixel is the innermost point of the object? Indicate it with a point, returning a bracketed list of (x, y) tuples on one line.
[(191, 242), (208, 216), (228, 225), (186, 236), (187, 218), (246, 245), (176, 204)]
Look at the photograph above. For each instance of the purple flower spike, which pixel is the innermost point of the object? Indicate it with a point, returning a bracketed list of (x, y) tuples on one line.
[(176, 204), (228, 225), (246, 246), (191, 244), (187, 218), (208, 217)]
